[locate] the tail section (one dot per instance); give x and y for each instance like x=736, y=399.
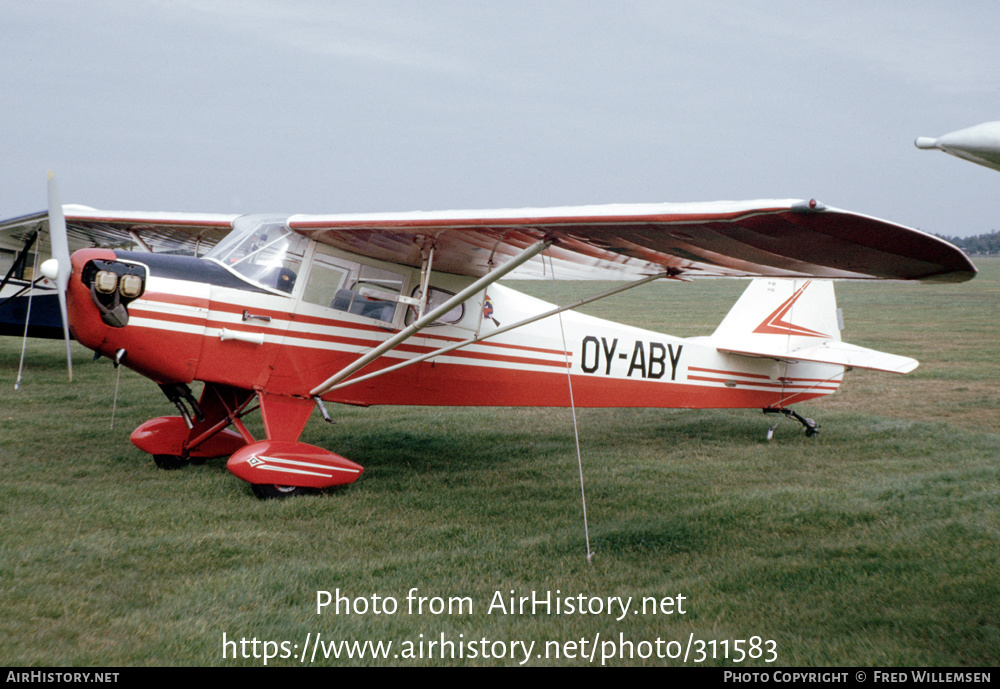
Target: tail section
x=796, y=320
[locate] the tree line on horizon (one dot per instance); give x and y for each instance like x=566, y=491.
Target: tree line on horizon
x=978, y=245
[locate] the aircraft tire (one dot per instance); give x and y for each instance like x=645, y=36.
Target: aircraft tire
x=269, y=491
x=170, y=462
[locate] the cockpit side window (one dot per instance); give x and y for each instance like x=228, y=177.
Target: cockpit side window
x=345, y=285
x=435, y=298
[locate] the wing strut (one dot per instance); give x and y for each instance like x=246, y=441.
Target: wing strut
x=425, y=280
x=572, y=406
x=504, y=329
x=403, y=335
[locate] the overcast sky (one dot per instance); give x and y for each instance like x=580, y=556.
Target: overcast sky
x=325, y=107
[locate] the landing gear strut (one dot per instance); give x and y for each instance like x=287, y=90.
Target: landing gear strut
x=178, y=393
x=812, y=428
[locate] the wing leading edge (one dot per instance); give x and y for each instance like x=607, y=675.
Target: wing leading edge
x=784, y=238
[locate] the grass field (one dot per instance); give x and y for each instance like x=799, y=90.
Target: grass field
x=876, y=543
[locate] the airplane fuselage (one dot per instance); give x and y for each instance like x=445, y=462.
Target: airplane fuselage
x=198, y=321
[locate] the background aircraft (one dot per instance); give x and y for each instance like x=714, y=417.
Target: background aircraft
x=979, y=144
x=24, y=238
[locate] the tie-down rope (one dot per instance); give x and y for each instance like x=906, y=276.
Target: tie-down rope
x=572, y=405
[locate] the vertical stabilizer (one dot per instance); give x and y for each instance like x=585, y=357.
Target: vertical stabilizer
x=781, y=316
x=796, y=320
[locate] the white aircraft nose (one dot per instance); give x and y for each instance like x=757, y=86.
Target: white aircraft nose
x=979, y=144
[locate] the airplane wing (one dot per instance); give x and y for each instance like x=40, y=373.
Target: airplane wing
x=780, y=238
x=177, y=232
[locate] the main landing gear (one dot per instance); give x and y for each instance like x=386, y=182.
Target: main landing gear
x=277, y=467
x=812, y=428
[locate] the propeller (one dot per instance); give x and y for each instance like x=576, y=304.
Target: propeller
x=58, y=268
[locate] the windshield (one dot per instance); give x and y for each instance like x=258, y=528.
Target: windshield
x=264, y=250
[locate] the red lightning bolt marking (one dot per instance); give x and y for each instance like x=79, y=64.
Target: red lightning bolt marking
x=775, y=324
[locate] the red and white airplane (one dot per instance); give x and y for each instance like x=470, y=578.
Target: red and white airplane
x=287, y=313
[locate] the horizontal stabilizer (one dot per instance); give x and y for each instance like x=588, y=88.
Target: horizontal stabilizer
x=839, y=353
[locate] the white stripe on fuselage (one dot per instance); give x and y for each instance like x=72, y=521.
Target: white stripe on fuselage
x=544, y=355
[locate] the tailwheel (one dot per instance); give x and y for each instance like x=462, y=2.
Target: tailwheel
x=812, y=428
x=270, y=491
